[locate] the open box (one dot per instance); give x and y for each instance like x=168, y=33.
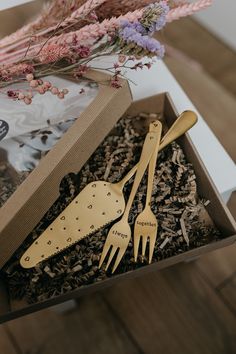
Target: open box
x=163, y=105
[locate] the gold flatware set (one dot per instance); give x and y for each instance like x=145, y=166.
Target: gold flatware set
x=101, y=203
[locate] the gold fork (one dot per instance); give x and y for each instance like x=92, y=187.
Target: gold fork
x=120, y=234
x=146, y=224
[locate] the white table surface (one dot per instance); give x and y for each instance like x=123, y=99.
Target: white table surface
x=220, y=166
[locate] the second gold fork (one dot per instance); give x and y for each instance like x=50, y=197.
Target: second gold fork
x=146, y=224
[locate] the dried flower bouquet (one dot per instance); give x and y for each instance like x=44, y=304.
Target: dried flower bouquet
x=68, y=36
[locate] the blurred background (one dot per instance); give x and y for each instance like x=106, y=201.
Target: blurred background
x=189, y=308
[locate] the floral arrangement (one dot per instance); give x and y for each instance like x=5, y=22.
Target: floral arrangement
x=68, y=36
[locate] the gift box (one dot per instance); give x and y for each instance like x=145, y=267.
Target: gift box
x=218, y=212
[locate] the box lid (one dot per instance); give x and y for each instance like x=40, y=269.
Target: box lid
x=27, y=205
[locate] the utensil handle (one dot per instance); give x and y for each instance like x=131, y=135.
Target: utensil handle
x=183, y=123
x=147, y=151
x=127, y=177
x=130, y=174
x=152, y=166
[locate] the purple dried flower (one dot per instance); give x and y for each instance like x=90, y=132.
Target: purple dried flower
x=127, y=33
x=137, y=35
x=136, y=26
x=147, y=43
x=154, y=18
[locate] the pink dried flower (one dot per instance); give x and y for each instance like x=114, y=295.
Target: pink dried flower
x=12, y=94
x=27, y=100
x=50, y=20
x=82, y=12
x=41, y=90
x=39, y=23
x=187, y=9
x=21, y=69
x=93, y=16
x=17, y=70
x=83, y=51
x=61, y=95
x=54, y=90
x=91, y=33
x=27, y=69
x=34, y=83
x=115, y=82
x=116, y=66
x=85, y=36
x=81, y=70
x=137, y=66
x=51, y=13
x=4, y=77
x=30, y=95
x=52, y=53
x=47, y=85
x=117, y=8
x=21, y=96
x=29, y=77
x=148, y=65
x=122, y=58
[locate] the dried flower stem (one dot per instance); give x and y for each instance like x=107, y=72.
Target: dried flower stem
x=89, y=33
x=51, y=13
x=97, y=30
x=56, y=49
x=83, y=11
x=187, y=9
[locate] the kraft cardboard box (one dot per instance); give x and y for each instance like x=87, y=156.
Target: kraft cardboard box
x=24, y=209
x=160, y=104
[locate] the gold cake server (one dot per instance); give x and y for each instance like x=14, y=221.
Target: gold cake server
x=98, y=204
